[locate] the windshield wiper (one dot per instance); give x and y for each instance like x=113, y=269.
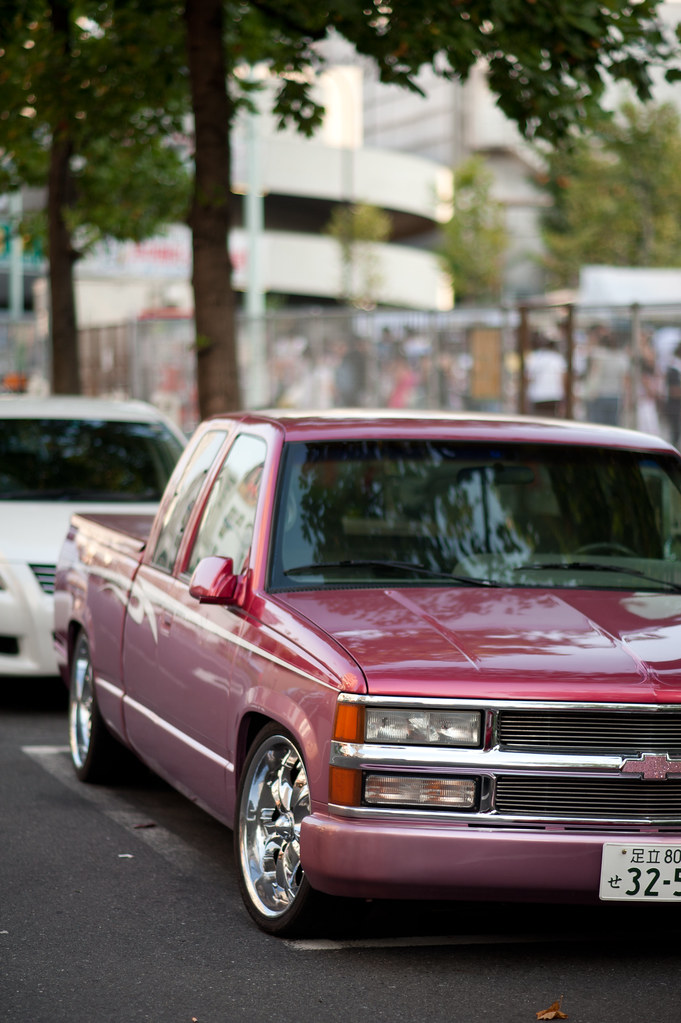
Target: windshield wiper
x=400, y=566
x=595, y=566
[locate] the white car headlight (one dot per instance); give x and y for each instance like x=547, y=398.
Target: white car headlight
x=422, y=727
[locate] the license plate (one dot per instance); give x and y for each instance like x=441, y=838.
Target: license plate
x=643, y=872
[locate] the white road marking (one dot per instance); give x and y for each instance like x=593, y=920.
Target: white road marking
x=186, y=859
x=183, y=856
x=418, y=941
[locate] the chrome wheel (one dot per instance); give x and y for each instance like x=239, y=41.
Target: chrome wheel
x=275, y=798
x=97, y=756
x=81, y=703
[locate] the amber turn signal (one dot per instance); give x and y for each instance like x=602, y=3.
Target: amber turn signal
x=345, y=786
x=349, y=726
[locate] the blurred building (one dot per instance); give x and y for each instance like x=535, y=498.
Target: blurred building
x=454, y=120
x=287, y=188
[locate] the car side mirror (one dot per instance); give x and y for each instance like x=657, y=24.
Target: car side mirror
x=214, y=581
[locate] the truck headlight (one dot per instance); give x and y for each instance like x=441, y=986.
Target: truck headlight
x=358, y=723
x=410, y=726
x=420, y=790
x=422, y=727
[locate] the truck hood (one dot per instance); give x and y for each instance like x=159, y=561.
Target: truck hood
x=32, y=532
x=506, y=643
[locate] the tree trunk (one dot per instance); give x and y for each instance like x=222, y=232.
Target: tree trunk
x=65, y=374
x=214, y=305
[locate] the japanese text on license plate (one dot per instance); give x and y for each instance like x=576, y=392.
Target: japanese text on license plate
x=642, y=872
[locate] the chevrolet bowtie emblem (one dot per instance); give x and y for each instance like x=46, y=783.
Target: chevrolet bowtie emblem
x=652, y=767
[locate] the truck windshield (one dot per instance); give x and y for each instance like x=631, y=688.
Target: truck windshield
x=85, y=460
x=434, y=513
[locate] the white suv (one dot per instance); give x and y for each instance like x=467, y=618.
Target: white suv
x=59, y=455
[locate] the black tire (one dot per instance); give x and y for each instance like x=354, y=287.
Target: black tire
x=97, y=757
x=272, y=801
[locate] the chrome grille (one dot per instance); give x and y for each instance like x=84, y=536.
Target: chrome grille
x=545, y=764
x=628, y=733
x=607, y=798
x=45, y=575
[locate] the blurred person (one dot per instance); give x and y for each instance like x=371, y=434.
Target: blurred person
x=313, y=386
x=649, y=387
x=607, y=379
x=416, y=345
x=386, y=346
x=673, y=395
x=546, y=372
x=405, y=382
x=665, y=341
x=351, y=374
x=285, y=364
x=444, y=382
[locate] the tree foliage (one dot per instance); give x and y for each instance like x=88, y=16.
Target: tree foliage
x=548, y=61
x=100, y=85
x=615, y=198
x=91, y=96
x=109, y=76
x=475, y=240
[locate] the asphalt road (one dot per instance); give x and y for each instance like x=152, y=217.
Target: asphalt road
x=120, y=905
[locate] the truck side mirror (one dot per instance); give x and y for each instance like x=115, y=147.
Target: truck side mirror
x=214, y=581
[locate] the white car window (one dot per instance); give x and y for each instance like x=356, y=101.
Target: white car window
x=85, y=460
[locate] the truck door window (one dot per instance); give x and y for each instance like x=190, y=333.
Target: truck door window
x=226, y=527
x=183, y=500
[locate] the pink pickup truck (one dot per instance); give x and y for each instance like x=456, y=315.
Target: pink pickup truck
x=401, y=656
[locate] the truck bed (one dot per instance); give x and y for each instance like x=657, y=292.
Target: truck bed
x=97, y=564
x=125, y=532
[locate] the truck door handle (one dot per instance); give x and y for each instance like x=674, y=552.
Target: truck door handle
x=165, y=620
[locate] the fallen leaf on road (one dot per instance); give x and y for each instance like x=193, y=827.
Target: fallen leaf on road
x=553, y=1012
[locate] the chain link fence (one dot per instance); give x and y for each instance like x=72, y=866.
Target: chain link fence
x=22, y=355
x=619, y=365
x=313, y=359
